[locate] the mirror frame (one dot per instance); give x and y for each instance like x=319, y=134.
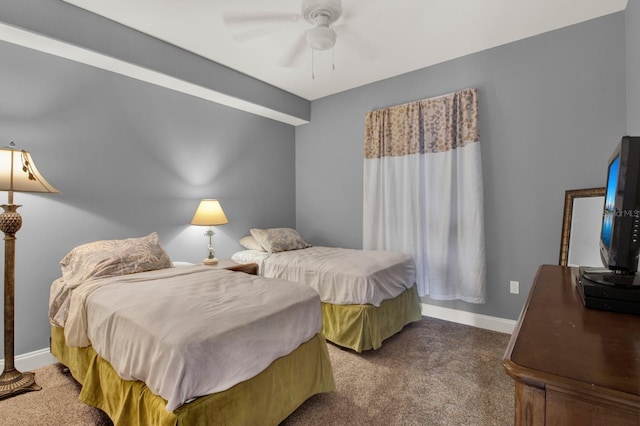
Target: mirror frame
x=569, y=196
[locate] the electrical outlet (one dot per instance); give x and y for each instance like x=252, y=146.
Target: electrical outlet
x=514, y=287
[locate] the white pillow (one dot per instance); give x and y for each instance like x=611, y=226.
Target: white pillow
x=250, y=243
x=177, y=264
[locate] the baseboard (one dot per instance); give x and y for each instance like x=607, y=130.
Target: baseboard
x=501, y=325
x=32, y=360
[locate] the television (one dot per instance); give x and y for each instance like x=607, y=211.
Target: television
x=620, y=229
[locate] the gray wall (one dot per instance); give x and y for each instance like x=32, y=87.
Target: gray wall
x=552, y=108
x=130, y=158
x=632, y=28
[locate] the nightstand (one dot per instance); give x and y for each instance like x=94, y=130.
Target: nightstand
x=249, y=268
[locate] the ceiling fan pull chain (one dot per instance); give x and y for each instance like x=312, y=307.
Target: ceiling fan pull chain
x=313, y=77
x=333, y=58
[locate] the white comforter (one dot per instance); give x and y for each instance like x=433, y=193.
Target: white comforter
x=341, y=276
x=191, y=331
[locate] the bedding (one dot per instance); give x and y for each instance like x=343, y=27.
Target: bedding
x=340, y=276
x=224, y=327
x=367, y=295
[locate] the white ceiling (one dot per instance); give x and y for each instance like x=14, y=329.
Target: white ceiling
x=377, y=39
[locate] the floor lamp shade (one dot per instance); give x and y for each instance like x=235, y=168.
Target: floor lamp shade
x=18, y=173
x=209, y=213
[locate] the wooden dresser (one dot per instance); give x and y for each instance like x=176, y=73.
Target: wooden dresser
x=573, y=365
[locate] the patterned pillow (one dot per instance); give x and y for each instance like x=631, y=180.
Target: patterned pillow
x=250, y=243
x=275, y=240
x=108, y=258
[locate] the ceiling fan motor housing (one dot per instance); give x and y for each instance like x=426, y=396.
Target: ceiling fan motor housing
x=331, y=9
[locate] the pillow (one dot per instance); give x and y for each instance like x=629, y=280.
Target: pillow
x=275, y=240
x=177, y=264
x=108, y=258
x=250, y=243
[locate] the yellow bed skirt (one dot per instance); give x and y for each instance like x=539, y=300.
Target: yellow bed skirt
x=364, y=327
x=266, y=399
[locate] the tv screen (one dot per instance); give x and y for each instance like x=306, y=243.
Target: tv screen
x=619, y=238
x=609, y=201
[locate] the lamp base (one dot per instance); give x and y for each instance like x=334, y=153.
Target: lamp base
x=13, y=382
x=208, y=261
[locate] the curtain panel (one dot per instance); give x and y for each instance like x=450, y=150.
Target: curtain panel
x=423, y=192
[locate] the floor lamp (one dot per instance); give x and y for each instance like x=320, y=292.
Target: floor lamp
x=17, y=174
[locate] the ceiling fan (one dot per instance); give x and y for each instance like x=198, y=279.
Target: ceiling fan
x=321, y=14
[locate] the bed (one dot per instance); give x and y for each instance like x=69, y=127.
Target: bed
x=184, y=345
x=367, y=295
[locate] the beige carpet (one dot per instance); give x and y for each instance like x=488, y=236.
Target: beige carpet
x=433, y=373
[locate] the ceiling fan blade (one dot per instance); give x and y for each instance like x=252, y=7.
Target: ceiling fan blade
x=255, y=33
x=294, y=52
x=245, y=17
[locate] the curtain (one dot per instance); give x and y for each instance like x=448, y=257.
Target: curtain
x=423, y=192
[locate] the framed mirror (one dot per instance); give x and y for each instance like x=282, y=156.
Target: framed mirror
x=581, y=222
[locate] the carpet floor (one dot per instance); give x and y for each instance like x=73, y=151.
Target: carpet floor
x=432, y=373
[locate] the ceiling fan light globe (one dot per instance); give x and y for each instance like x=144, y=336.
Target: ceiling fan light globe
x=321, y=38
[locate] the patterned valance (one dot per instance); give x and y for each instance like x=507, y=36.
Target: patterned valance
x=431, y=125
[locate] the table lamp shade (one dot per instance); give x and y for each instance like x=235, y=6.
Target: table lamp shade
x=18, y=173
x=209, y=213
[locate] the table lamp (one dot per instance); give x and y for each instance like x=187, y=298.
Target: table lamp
x=209, y=213
x=17, y=174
